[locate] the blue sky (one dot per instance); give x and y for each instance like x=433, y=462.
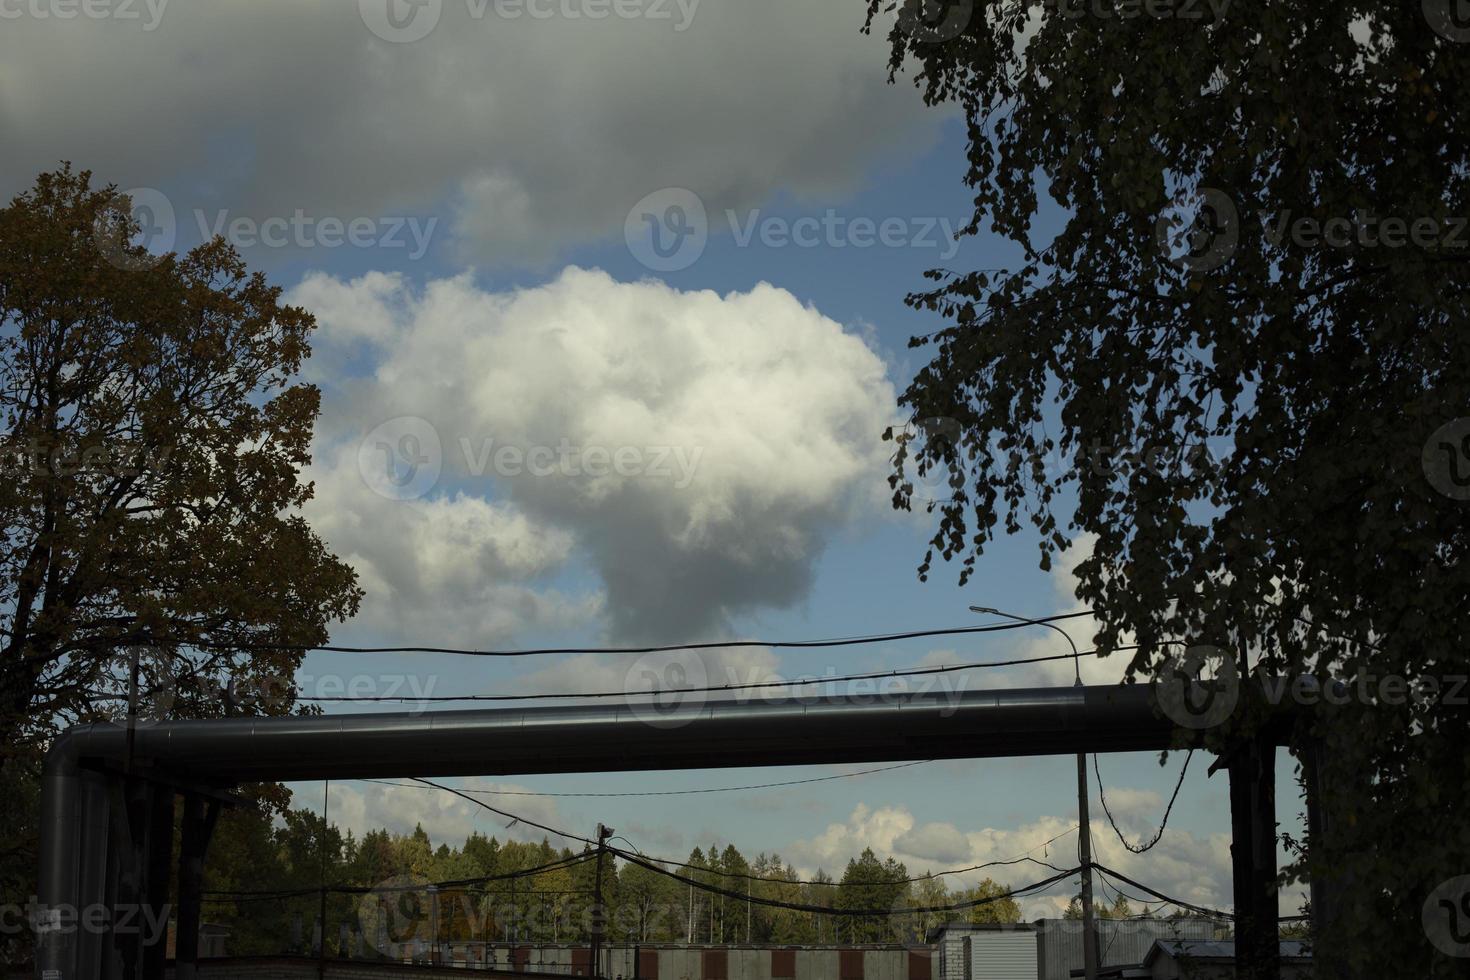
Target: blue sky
x=522, y=150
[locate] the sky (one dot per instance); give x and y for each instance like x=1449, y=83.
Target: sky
x=610, y=303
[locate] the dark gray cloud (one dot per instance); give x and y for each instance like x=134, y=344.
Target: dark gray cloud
x=537, y=131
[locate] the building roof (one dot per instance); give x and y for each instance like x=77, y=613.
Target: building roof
x=1216, y=949
x=1116, y=973
x=937, y=931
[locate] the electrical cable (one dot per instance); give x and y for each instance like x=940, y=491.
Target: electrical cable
x=1207, y=912
x=841, y=641
x=792, y=906
x=719, y=688
x=246, y=899
x=1023, y=859
x=557, y=865
x=510, y=816
x=724, y=874
x=1164, y=822
x=827, y=910
x=670, y=792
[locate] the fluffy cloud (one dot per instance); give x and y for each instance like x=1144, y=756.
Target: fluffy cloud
x=537, y=131
x=447, y=819
x=458, y=569
x=1195, y=868
x=698, y=449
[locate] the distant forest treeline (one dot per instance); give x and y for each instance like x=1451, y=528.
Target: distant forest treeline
x=263, y=876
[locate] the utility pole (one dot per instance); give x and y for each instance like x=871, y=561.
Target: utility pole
x=1084, y=857
x=321, y=951
x=1084, y=841
x=598, y=912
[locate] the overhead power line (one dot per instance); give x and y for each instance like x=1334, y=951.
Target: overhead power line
x=666, y=863
x=720, y=688
x=828, y=910
x=669, y=792
x=513, y=818
x=246, y=898
x=557, y=865
x=1023, y=859
x=841, y=641
x=1208, y=912
x=1163, y=822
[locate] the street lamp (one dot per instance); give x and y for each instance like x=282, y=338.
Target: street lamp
x=1084, y=840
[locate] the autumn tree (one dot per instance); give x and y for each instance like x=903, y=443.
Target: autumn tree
x=153, y=441
x=1234, y=353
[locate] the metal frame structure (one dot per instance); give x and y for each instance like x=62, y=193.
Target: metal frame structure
x=109, y=791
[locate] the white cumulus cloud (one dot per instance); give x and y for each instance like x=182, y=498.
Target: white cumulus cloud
x=697, y=450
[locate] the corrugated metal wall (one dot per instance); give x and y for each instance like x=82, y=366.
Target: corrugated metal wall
x=1121, y=942
x=1003, y=955
x=695, y=963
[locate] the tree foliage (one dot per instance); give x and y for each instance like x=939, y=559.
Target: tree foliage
x=153, y=440
x=155, y=436
x=254, y=853
x=1233, y=353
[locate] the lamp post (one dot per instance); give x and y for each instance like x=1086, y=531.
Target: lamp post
x=1084, y=838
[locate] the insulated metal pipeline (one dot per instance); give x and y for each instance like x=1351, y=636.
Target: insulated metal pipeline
x=621, y=736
